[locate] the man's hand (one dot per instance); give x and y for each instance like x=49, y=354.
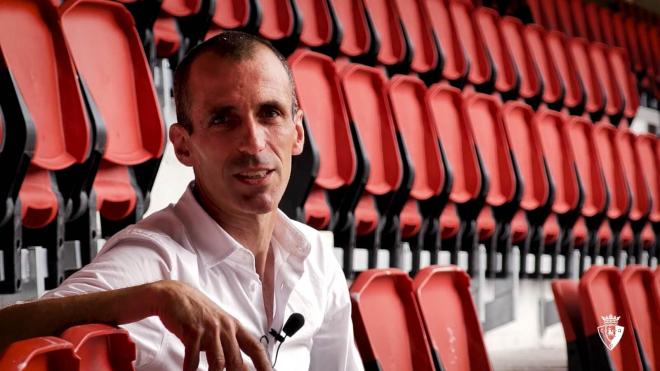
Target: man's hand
x=203, y=326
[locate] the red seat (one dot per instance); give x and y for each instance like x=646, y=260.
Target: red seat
x=643, y=31
x=450, y=318
x=108, y=54
x=383, y=305
x=357, y=40
x=567, y=300
x=481, y=74
x=632, y=43
x=102, y=347
x=485, y=224
x=456, y=65
x=178, y=8
x=318, y=89
x=581, y=28
x=553, y=91
x=592, y=16
x=519, y=230
x=167, y=37
x=507, y=80
x=625, y=80
x=317, y=28
x=531, y=86
x=614, y=97
x=647, y=152
x=386, y=22
x=234, y=14
x=425, y=54
x=565, y=17
x=369, y=110
x=280, y=24
x=574, y=94
x=579, y=51
x=644, y=308
x=46, y=353
x=449, y=222
x=602, y=295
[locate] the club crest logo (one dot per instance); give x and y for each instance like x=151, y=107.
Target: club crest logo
x=610, y=332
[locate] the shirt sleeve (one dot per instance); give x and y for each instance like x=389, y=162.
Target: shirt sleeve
x=334, y=345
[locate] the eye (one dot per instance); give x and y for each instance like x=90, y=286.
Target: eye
x=220, y=119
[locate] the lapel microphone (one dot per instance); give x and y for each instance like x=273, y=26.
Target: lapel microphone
x=291, y=326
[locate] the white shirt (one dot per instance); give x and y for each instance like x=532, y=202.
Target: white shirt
x=182, y=242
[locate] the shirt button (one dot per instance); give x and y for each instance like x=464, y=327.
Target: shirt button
x=282, y=286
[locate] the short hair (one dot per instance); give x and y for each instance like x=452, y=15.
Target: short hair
x=234, y=45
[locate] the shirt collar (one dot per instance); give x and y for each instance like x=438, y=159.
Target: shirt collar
x=214, y=244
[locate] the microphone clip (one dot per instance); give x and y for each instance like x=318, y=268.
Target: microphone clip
x=276, y=335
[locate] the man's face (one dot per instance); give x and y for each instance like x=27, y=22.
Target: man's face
x=244, y=132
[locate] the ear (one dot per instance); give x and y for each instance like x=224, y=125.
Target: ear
x=300, y=133
x=180, y=139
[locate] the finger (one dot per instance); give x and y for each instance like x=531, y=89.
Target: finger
x=252, y=347
x=214, y=352
x=191, y=358
x=233, y=356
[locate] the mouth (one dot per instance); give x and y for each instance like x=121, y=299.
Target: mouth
x=253, y=177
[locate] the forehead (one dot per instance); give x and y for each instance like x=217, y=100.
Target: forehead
x=217, y=80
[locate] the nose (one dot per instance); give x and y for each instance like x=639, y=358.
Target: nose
x=253, y=137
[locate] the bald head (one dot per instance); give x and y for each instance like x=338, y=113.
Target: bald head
x=231, y=45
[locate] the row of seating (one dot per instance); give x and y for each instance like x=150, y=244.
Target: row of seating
x=83, y=130
x=92, y=347
x=610, y=318
x=426, y=323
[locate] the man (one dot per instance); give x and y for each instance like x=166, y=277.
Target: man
x=223, y=266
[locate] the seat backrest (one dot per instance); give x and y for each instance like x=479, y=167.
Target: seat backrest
x=102, y=347
x=456, y=65
x=639, y=190
x=389, y=332
x=579, y=51
x=625, y=79
x=481, y=73
x=426, y=55
x=492, y=139
x=614, y=103
x=592, y=17
x=232, y=14
x=632, y=43
x=455, y=132
x=574, y=95
x=450, y=318
x=279, y=20
x=615, y=177
x=317, y=29
x=567, y=300
x=580, y=133
x=647, y=152
x=413, y=120
x=601, y=298
x=579, y=19
x=525, y=141
x=531, y=87
x=565, y=17
x=46, y=353
x=387, y=25
x=356, y=40
x=507, y=80
x=643, y=31
x=607, y=25
x=561, y=160
x=639, y=298
x=553, y=91
x=368, y=107
x=180, y=8
x=319, y=93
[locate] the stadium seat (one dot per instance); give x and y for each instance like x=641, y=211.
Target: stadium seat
x=357, y=41
x=531, y=86
x=181, y=24
x=574, y=93
x=369, y=111
x=617, y=187
x=592, y=180
x=101, y=347
x=281, y=24
x=46, y=353
x=581, y=27
x=639, y=191
x=319, y=27
x=389, y=332
x=504, y=193
x=644, y=308
x=537, y=188
x=481, y=74
x=237, y=15
x=632, y=43
x=394, y=51
x=450, y=319
x=507, y=80
x=625, y=80
x=107, y=52
x=595, y=102
x=566, y=206
x=52, y=191
x=427, y=58
x=467, y=195
x=456, y=65
x=431, y=184
x=647, y=151
x=565, y=17
x=601, y=295
x=594, y=25
x=553, y=89
x=567, y=301
x=613, y=95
